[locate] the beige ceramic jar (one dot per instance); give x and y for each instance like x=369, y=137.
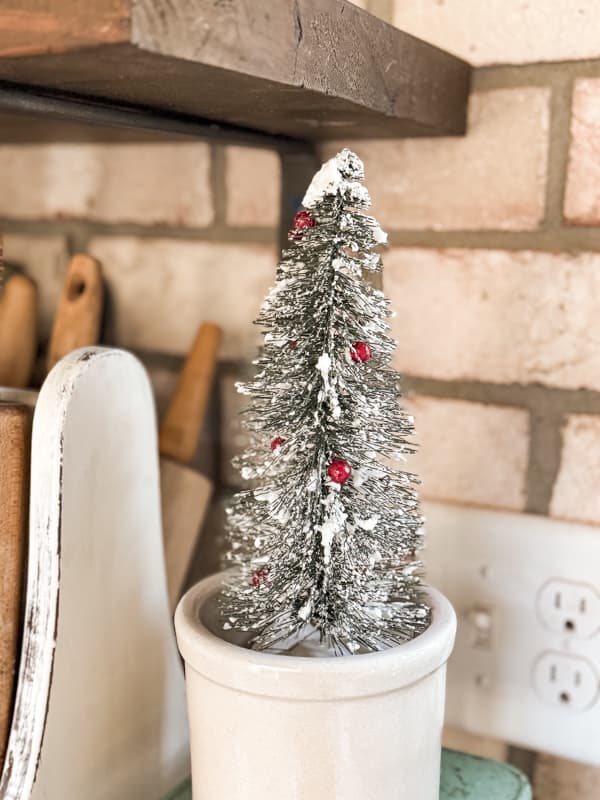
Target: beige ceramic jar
x=277, y=727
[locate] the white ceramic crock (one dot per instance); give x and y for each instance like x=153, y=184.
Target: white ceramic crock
x=276, y=727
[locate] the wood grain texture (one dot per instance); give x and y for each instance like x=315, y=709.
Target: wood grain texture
x=183, y=420
x=15, y=440
x=100, y=705
x=562, y=779
x=315, y=69
x=41, y=26
x=18, y=331
x=79, y=311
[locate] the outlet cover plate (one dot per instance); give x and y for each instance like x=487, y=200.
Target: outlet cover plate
x=493, y=567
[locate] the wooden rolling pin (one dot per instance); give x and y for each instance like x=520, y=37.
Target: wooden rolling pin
x=15, y=439
x=79, y=312
x=18, y=331
x=185, y=493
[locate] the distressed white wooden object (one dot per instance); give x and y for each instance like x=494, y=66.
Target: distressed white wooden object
x=100, y=706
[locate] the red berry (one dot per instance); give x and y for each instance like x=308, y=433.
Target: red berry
x=339, y=470
x=277, y=442
x=293, y=344
x=360, y=351
x=259, y=576
x=302, y=220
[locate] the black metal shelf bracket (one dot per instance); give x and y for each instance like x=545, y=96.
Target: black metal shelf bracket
x=93, y=111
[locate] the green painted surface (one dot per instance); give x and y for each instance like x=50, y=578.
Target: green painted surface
x=468, y=778
x=463, y=778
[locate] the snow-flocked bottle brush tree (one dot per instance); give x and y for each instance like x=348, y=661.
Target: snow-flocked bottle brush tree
x=325, y=537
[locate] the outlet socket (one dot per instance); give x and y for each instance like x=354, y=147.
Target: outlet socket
x=564, y=680
x=526, y=664
x=569, y=607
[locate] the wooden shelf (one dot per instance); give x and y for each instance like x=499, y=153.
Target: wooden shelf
x=307, y=69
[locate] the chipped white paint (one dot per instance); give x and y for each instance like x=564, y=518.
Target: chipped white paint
x=100, y=706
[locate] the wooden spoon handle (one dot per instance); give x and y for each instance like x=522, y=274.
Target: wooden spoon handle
x=15, y=439
x=18, y=331
x=182, y=423
x=79, y=312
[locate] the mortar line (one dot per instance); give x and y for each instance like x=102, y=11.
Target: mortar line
x=534, y=397
x=218, y=184
x=544, y=457
x=565, y=239
x=508, y=76
x=84, y=230
x=529, y=396
x=559, y=137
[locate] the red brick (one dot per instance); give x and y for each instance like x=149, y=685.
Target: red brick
x=141, y=183
x=575, y=493
x=582, y=196
x=496, y=316
x=493, y=178
x=253, y=182
x=505, y=31
x=469, y=452
x=162, y=289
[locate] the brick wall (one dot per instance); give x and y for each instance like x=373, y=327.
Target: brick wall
x=494, y=271
x=183, y=235
x=494, y=268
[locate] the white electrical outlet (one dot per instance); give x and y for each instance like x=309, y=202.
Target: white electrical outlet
x=567, y=681
x=570, y=607
x=526, y=590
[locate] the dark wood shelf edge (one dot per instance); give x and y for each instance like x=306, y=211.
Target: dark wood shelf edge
x=305, y=70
